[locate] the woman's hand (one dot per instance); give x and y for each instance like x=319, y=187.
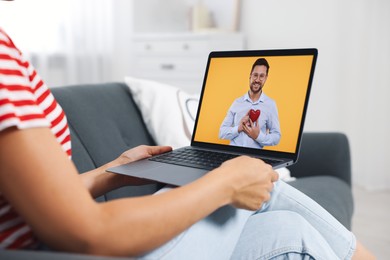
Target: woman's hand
x=251, y=181
x=138, y=153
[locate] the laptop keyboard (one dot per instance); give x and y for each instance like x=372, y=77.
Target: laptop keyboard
x=196, y=158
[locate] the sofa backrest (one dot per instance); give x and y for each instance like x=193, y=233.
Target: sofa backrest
x=324, y=154
x=104, y=122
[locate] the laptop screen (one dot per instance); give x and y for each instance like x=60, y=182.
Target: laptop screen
x=255, y=99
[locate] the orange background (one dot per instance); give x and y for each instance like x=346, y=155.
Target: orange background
x=228, y=79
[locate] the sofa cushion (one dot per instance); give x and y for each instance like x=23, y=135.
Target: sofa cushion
x=104, y=123
x=331, y=193
x=110, y=111
x=168, y=112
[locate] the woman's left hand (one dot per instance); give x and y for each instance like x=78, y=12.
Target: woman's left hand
x=132, y=155
x=138, y=153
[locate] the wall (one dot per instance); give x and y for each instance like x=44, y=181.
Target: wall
x=351, y=86
x=122, y=39
x=161, y=16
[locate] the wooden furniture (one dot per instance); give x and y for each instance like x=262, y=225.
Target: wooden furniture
x=179, y=59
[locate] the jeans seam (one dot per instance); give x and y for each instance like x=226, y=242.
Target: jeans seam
x=352, y=247
x=288, y=249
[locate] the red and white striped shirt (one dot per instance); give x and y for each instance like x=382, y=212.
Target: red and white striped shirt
x=25, y=102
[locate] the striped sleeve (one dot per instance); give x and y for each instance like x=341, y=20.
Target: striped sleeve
x=25, y=100
x=14, y=233
x=18, y=103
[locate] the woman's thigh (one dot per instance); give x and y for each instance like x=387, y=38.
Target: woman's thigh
x=281, y=235
x=287, y=198
x=214, y=237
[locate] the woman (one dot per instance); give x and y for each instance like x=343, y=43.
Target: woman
x=239, y=210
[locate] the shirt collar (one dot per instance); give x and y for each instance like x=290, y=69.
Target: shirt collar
x=261, y=99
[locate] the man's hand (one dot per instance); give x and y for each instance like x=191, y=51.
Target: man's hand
x=252, y=130
x=244, y=121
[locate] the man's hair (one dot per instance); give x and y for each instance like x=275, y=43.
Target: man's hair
x=260, y=62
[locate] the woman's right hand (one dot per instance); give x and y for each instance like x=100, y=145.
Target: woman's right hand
x=251, y=181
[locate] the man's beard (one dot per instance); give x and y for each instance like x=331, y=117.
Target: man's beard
x=256, y=91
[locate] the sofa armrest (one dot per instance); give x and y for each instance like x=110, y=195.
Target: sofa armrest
x=324, y=154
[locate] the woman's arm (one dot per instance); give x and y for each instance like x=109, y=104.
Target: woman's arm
x=42, y=184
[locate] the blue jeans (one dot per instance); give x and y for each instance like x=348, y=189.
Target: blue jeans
x=289, y=226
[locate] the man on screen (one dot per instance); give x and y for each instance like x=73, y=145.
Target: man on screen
x=252, y=119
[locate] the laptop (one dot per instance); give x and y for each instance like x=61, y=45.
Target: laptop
x=234, y=118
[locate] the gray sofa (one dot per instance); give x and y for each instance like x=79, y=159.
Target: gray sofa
x=104, y=121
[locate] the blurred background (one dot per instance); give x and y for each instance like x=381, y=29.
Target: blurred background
x=88, y=41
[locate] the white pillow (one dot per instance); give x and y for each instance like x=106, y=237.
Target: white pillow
x=169, y=113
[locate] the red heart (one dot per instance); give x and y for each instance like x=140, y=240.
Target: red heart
x=254, y=114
